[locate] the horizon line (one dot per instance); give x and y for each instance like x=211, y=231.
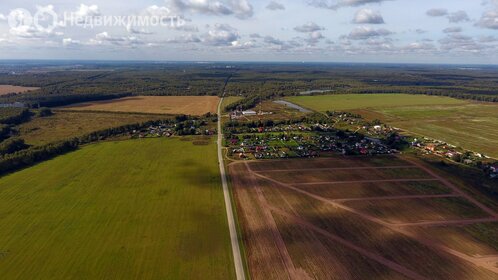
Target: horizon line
x=242, y=61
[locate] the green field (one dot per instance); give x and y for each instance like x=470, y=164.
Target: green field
x=137, y=209
x=339, y=102
x=230, y=100
x=63, y=125
x=470, y=125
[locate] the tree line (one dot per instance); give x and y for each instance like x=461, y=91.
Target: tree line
x=20, y=157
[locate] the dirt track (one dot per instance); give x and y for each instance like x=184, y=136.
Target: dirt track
x=234, y=238
x=401, y=228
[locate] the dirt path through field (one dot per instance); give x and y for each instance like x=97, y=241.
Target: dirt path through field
x=448, y=223
x=395, y=197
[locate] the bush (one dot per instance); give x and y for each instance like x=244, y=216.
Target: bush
x=45, y=112
x=12, y=146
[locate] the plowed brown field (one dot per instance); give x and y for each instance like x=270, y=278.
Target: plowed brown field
x=355, y=218
x=188, y=105
x=6, y=89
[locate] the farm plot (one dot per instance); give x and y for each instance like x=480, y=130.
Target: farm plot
x=479, y=240
x=187, y=105
x=136, y=209
x=7, y=89
x=348, y=174
x=304, y=227
x=400, y=211
x=377, y=189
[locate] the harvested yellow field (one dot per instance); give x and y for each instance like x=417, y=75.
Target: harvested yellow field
x=6, y=89
x=188, y=105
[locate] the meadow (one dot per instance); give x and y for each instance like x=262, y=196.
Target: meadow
x=467, y=124
x=63, y=125
x=136, y=209
x=188, y=105
x=340, y=102
x=229, y=100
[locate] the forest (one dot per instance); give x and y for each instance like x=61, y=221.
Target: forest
x=66, y=83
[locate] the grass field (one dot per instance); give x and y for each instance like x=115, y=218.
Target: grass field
x=230, y=100
x=137, y=209
x=339, y=102
x=320, y=228
x=470, y=125
x=188, y=105
x=63, y=125
x=6, y=89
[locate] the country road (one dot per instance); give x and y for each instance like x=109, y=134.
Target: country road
x=239, y=265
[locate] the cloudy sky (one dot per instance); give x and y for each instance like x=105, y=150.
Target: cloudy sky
x=421, y=31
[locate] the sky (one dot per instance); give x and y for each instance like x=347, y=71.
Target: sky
x=385, y=31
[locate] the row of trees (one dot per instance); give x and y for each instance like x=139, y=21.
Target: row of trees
x=14, y=115
x=4, y=131
x=54, y=100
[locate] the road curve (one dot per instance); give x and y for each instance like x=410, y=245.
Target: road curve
x=237, y=258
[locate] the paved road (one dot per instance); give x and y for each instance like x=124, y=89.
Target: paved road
x=239, y=265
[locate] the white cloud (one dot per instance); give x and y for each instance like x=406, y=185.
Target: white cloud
x=69, y=42
x=460, y=43
x=184, y=39
x=367, y=16
x=2, y=17
x=104, y=38
x=437, y=12
x=158, y=11
x=336, y=4
x=237, y=45
x=279, y=45
x=419, y=47
x=274, y=6
x=454, y=17
x=458, y=16
x=365, y=32
x=308, y=27
x=221, y=35
x=489, y=20
x=134, y=30
x=314, y=37
x=452, y=30
x=87, y=11
x=239, y=8
x=488, y=39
